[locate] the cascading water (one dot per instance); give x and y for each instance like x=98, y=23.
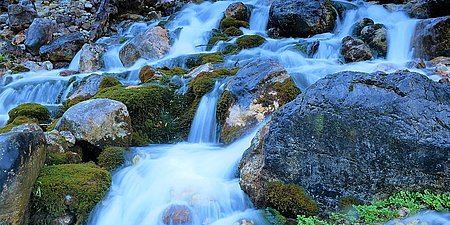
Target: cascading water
x=204, y=126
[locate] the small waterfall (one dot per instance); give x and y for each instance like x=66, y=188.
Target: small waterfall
x=111, y=58
x=260, y=16
x=204, y=126
x=75, y=63
x=400, y=38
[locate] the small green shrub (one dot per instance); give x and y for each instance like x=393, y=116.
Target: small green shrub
x=231, y=22
x=109, y=81
x=290, y=200
x=112, y=158
x=312, y=220
x=250, y=41
x=30, y=110
x=68, y=188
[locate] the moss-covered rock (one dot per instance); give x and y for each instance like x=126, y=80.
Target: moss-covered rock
x=231, y=22
x=72, y=189
x=250, y=41
x=148, y=74
x=71, y=102
x=155, y=112
x=233, y=31
x=223, y=106
x=231, y=49
x=212, y=58
x=177, y=71
x=58, y=158
x=290, y=200
x=112, y=158
x=216, y=36
x=109, y=81
x=30, y=110
x=18, y=121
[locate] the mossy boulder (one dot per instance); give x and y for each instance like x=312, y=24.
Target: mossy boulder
x=216, y=36
x=155, y=112
x=18, y=121
x=250, y=41
x=112, y=158
x=177, y=71
x=290, y=200
x=233, y=31
x=148, y=73
x=30, y=110
x=68, y=189
x=109, y=81
x=232, y=22
x=212, y=58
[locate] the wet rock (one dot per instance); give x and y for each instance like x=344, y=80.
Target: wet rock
x=301, y=18
x=423, y=9
x=342, y=7
x=177, y=214
x=22, y=156
x=88, y=87
x=63, y=48
x=359, y=26
x=256, y=91
x=100, y=122
x=148, y=73
x=91, y=57
x=432, y=38
x=355, y=134
x=152, y=44
x=21, y=16
x=376, y=37
x=355, y=50
x=239, y=11
x=40, y=33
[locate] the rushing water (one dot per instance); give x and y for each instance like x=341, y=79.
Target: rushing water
x=200, y=176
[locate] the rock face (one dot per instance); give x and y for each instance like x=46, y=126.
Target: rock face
x=91, y=58
x=423, y=9
x=39, y=33
x=257, y=90
x=432, y=38
x=100, y=122
x=22, y=156
x=355, y=50
x=152, y=44
x=63, y=48
x=356, y=134
x=88, y=87
x=21, y=16
x=301, y=18
x=239, y=11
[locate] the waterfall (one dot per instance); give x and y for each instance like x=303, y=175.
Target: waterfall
x=204, y=126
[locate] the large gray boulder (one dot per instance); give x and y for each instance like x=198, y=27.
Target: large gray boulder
x=301, y=18
x=99, y=122
x=21, y=16
x=432, y=38
x=39, y=33
x=91, y=57
x=22, y=155
x=152, y=44
x=64, y=48
x=355, y=134
x=258, y=89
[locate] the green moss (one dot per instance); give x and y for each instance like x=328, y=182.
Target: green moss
x=71, y=102
x=56, y=158
x=231, y=49
x=250, y=41
x=310, y=220
x=4, y=58
x=177, y=71
x=346, y=202
x=231, y=22
x=123, y=40
x=112, y=158
x=155, y=112
x=290, y=200
x=273, y=217
x=17, y=121
x=53, y=124
x=86, y=184
x=109, y=81
x=201, y=85
x=216, y=36
x=30, y=110
x=212, y=58
x=225, y=102
x=227, y=72
x=233, y=31
x=163, y=23
x=286, y=91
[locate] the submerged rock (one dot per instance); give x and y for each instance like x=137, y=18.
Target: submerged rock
x=355, y=134
x=301, y=18
x=177, y=214
x=23, y=152
x=355, y=50
x=257, y=90
x=432, y=38
x=63, y=48
x=152, y=44
x=99, y=122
